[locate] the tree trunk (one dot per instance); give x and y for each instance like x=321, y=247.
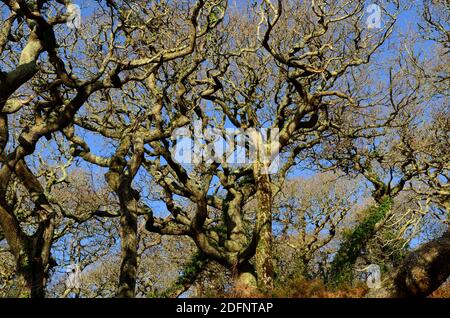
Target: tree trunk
x=119, y=178
x=129, y=245
x=31, y=273
x=263, y=256
x=32, y=253
x=421, y=273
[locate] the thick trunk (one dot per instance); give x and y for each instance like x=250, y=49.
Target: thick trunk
x=120, y=178
x=4, y=134
x=32, y=254
x=263, y=256
x=232, y=209
x=129, y=245
x=421, y=273
x=31, y=272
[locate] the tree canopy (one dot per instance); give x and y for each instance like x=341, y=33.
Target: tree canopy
x=214, y=148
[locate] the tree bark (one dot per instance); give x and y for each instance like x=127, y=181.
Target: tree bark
x=264, y=246
x=421, y=273
x=129, y=245
x=31, y=252
x=31, y=273
x=119, y=178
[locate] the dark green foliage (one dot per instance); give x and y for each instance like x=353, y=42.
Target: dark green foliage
x=192, y=269
x=188, y=275
x=355, y=242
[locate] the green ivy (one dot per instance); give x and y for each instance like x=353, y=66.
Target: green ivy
x=355, y=241
x=188, y=275
x=192, y=269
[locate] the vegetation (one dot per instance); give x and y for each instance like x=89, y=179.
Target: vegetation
x=270, y=148
x=354, y=242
